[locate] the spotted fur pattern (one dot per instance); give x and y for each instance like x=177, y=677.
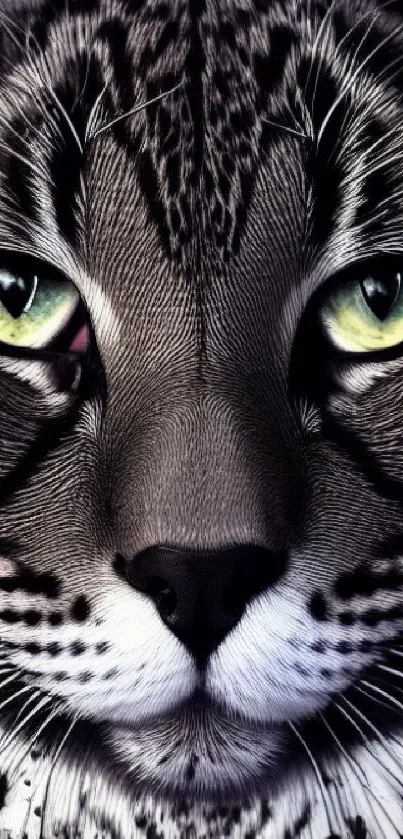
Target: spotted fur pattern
x=199, y=170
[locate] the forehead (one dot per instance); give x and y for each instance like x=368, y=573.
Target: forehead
x=268, y=127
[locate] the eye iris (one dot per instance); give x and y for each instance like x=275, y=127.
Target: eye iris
x=17, y=293
x=381, y=295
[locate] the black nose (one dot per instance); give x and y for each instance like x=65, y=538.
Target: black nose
x=201, y=596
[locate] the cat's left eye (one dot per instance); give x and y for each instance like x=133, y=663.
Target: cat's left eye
x=38, y=306
x=364, y=313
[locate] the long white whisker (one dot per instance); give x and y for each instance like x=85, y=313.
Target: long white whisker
x=94, y=114
x=390, y=670
x=391, y=701
x=318, y=774
x=55, y=711
x=42, y=703
x=52, y=766
x=352, y=79
x=285, y=128
x=381, y=739
x=134, y=110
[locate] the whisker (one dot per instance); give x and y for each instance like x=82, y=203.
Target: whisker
x=134, y=110
x=379, y=737
x=391, y=701
x=94, y=114
x=390, y=670
x=318, y=774
x=288, y=130
x=366, y=742
x=353, y=78
x=41, y=704
x=51, y=769
x=51, y=716
x=354, y=765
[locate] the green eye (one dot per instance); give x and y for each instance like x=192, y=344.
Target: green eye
x=34, y=307
x=365, y=313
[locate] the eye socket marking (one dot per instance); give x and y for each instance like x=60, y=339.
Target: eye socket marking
x=363, y=311
x=40, y=309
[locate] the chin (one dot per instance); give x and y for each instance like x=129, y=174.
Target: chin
x=198, y=754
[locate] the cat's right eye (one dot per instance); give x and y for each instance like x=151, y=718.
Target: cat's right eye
x=37, y=306
x=363, y=312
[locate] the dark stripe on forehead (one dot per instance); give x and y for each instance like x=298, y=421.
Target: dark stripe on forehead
x=66, y=160
x=18, y=175
x=51, y=13
x=324, y=170
x=114, y=34
x=269, y=67
x=195, y=65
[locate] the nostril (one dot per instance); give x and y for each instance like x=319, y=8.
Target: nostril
x=152, y=585
x=163, y=595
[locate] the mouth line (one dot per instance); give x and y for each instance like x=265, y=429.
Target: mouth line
x=194, y=710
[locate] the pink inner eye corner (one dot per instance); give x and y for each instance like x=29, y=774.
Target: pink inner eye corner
x=80, y=342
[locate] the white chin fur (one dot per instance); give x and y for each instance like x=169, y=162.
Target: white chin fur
x=198, y=756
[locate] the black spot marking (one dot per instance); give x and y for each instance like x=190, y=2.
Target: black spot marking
x=299, y=824
x=347, y=618
x=77, y=648
x=317, y=606
x=32, y=583
x=319, y=647
x=111, y=674
x=363, y=581
x=54, y=649
x=326, y=673
x=358, y=828
x=32, y=617
x=374, y=616
x=84, y=677
x=33, y=648
x=80, y=609
x=38, y=811
x=102, y=647
x=10, y=616
x=140, y=821
x=55, y=618
x=344, y=647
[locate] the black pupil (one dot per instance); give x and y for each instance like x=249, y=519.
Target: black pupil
x=381, y=294
x=16, y=292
